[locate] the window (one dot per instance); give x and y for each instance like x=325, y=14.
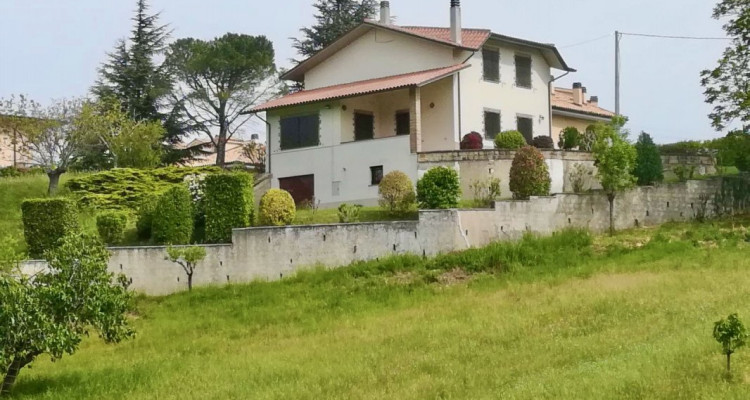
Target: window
x=376, y=175
x=491, y=124
x=491, y=62
x=298, y=132
x=403, y=123
x=526, y=127
x=523, y=71
x=364, y=125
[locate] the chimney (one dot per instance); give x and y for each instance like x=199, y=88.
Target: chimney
x=385, y=12
x=254, y=136
x=578, y=93
x=456, y=21
x=583, y=98
x=594, y=100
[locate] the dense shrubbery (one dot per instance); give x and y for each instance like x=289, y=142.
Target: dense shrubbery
x=228, y=203
x=172, y=220
x=111, y=226
x=648, y=168
x=46, y=221
x=569, y=138
x=509, y=140
x=529, y=175
x=349, y=213
x=146, y=216
x=12, y=172
x=439, y=188
x=472, y=141
x=587, y=140
x=543, y=142
x=277, y=208
x=125, y=188
x=396, y=193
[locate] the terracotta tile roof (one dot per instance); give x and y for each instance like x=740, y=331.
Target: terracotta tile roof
x=419, y=78
x=470, y=38
x=562, y=99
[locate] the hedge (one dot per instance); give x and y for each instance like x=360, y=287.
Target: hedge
x=509, y=140
x=146, y=216
x=228, y=201
x=439, y=188
x=111, y=226
x=172, y=221
x=46, y=221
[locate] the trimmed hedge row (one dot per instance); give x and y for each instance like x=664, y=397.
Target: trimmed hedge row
x=46, y=221
x=228, y=201
x=172, y=220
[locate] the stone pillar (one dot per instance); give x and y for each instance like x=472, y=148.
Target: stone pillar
x=415, y=119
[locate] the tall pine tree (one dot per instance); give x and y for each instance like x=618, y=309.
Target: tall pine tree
x=333, y=19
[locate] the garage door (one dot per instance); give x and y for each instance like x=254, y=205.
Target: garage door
x=302, y=188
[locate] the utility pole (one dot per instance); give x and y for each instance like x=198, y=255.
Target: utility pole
x=617, y=73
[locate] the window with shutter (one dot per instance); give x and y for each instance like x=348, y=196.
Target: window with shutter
x=364, y=126
x=523, y=71
x=526, y=127
x=491, y=62
x=403, y=123
x=491, y=124
x=300, y=131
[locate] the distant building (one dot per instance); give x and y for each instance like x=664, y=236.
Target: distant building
x=571, y=108
x=234, y=153
x=12, y=152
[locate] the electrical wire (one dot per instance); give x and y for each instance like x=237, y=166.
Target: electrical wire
x=674, y=37
x=587, y=41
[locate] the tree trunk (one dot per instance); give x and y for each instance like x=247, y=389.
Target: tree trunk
x=54, y=180
x=190, y=282
x=221, y=147
x=611, y=198
x=10, y=377
x=728, y=363
x=15, y=148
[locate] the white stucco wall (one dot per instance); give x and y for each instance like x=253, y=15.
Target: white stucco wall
x=438, y=131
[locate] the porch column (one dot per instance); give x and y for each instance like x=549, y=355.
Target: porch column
x=415, y=119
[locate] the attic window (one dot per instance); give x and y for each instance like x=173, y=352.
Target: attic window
x=523, y=71
x=491, y=62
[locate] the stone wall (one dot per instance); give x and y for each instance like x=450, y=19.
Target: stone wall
x=272, y=253
x=704, y=165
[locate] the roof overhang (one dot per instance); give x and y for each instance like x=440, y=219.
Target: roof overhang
x=549, y=51
x=564, y=112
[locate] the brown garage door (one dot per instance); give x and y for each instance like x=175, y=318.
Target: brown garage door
x=302, y=188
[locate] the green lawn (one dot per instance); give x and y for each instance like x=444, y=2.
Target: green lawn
x=558, y=318
x=306, y=216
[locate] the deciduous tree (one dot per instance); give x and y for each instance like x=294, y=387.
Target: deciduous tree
x=615, y=161
x=731, y=334
x=187, y=258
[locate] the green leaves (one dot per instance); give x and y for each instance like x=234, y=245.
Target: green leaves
x=439, y=188
x=529, y=175
x=648, y=169
x=616, y=159
x=333, y=19
x=730, y=333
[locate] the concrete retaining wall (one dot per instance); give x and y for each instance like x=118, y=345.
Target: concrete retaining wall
x=272, y=253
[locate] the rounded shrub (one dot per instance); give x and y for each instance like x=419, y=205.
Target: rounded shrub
x=439, y=188
x=228, y=203
x=396, y=193
x=543, y=142
x=509, y=140
x=111, y=226
x=145, y=220
x=349, y=213
x=172, y=221
x=569, y=138
x=529, y=175
x=46, y=221
x=277, y=208
x=472, y=141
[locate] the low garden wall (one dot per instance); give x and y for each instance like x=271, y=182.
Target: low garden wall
x=273, y=253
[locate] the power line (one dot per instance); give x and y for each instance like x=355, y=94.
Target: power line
x=674, y=37
x=587, y=41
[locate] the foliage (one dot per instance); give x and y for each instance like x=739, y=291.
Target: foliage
x=734, y=150
x=686, y=147
x=733, y=196
x=46, y=221
x=15, y=172
x=145, y=222
x=569, y=138
x=472, y=141
x=587, y=139
x=172, y=221
x=349, y=213
x=731, y=334
x=684, y=173
x=218, y=81
x=727, y=84
x=486, y=192
x=615, y=161
x=187, y=258
x=111, y=226
x=228, y=202
x=648, y=168
x=51, y=312
x=333, y=19
x=256, y=153
x=277, y=208
x=396, y=193
x=580, y=176
x=439, y=188
x=543, y=142
x=16, y=114
x=529, y=174
x=10, y=256
x=509, y=140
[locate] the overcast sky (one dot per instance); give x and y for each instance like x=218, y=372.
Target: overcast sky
x=52, y=48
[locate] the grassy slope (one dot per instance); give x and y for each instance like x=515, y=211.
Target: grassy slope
x=610, y=322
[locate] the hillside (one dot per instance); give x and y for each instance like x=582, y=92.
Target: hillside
x=563, y=317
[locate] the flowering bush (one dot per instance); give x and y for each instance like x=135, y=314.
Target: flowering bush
x=472, y=141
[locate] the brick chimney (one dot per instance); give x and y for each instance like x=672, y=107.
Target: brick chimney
x=578, y=93
x=385, y=12
x=456, y=21
x=594, y=100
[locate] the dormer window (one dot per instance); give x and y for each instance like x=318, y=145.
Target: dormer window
x=523, y=71
x=491, y=62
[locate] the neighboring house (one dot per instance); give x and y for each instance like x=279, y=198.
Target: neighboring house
x=12, y=152
x=572, y=108
x=382, y=94
x=234, y=153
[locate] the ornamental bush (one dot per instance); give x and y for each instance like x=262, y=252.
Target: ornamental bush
x=46, y=221
x=543, y=142
x=529, y=175
x=648, y=168
x=439, y=188
x=146, y=216
x=277, y=208
x=472, y=141
x=172, y=221
x=349, y=213
x=228, y=203
x=111, y=226
x=509, y=140
x=396, y=193
x=570, y=138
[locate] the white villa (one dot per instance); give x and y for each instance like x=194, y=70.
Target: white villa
x=383, y=95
